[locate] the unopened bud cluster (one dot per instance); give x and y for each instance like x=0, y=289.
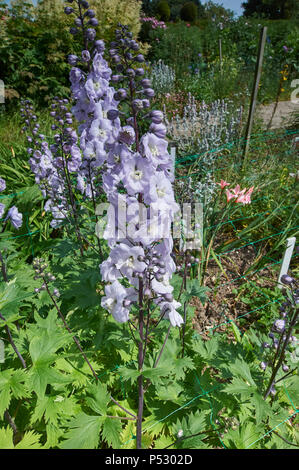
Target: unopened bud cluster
x=280, y=335
x=40, y=267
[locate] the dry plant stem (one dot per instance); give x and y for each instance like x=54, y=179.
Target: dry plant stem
x=79, y=345
x=281, y=356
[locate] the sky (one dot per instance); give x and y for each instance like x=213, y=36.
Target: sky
x=234, y=5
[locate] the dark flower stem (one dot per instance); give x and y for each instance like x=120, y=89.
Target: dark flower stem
x=281, y=356
x=7, y=329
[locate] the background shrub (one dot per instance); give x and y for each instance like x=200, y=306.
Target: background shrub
x=189, y=12
x=163, y=10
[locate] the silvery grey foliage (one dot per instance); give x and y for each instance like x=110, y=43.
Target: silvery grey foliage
x=162, y=77
x=205, y=128
x=193, y=190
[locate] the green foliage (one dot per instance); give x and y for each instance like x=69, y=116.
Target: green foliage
x=163, y=10
x=189, y=12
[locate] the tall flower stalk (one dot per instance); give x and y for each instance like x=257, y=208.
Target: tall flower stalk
x=138, y=179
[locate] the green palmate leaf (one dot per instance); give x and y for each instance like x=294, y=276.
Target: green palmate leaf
x=100, y=398
x=111, y=432
x=10, y=294
x=236, y=331
x=194, y=289
x=260, y=406
x=244, y=437
x=54, y=408
x=12, y=384
x=241, y=368
x=207, y=349
x=156, y=373
x=6, y=436
x=30, y=440
x=83, y=432
x=169, y=391
x=238, y=386
x=163, y=441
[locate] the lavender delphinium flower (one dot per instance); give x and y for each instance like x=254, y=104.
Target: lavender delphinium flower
x=2, y=184
x=15, y=217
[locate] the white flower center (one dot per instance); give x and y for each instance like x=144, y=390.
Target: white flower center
x=161, y=192
x=102, y=133
x=154, y=150
x=137, y=175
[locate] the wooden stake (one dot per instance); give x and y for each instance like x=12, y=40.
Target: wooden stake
x=258, y=71
x=286, y=259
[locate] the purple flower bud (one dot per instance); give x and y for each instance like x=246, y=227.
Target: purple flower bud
x=85, y=56
x=279, y=325
x=112, y=114
x=134, y=45
x=91, y=34
x=263, y=365
x=127, y=303
x=121, y=94
x=78, y=22
x=146, y=103
x=73, y=31
x=84, y=3
x=137, y=104
x=158, y=129
x=2, y=184
x=285, y=368
x=116, y=58
x=116, y=78
x=149, y=92
x=93, y=22
x=266, y=345
x=286, y=279
x=146, y=83
x=139, y=72
x=99, y=45
x=90, y=13
x=68, y=10
x=147, y=293
x=139, y=58
x=131, y=72
x=72, y=59
x=156, y=116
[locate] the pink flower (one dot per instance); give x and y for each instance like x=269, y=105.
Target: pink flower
x=244, y=198
x=187, y=25
x=229, y=195
x=223, y=183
